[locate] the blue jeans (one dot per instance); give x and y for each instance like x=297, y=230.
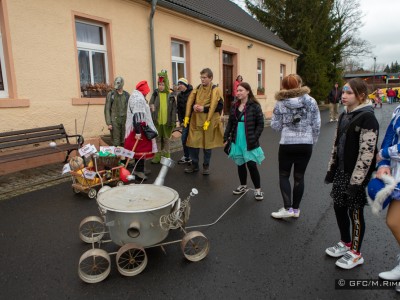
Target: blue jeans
x=185, y=131
x=194, y=155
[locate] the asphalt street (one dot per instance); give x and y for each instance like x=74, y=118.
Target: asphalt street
x=252, y=255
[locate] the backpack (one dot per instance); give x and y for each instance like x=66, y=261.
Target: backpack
x=124, y=93
x=220, y=100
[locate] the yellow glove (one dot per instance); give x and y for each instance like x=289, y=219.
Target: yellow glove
x=185, y=121
x=206, y=124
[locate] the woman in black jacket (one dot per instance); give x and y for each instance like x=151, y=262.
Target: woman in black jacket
x=245, y=125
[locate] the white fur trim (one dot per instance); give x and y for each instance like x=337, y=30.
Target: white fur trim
x=381, y=196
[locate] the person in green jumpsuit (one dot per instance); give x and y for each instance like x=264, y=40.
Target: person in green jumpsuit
x=115, y=111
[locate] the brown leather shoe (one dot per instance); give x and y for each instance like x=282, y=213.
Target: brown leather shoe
x=191, y=169
x=206, y=170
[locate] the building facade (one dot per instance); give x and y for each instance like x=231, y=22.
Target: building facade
x=58, y=56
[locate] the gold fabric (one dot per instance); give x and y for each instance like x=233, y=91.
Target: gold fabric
x=198, y=137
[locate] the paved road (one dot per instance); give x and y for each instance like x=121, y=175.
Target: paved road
x=252, y=256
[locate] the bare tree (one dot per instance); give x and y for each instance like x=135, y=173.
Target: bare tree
x=347, y=18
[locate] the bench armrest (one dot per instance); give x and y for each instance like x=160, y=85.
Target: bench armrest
x=81, y=140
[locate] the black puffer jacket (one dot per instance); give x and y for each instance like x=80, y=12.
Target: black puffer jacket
x=181, y=100
x=254, y=123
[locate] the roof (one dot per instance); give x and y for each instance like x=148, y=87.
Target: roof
x=365, y=74
x=228, y=15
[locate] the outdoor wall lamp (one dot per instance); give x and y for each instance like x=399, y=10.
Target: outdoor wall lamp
x=217, y=41
x=250, y=46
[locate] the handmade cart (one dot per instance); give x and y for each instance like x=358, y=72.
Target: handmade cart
x=107, y=171
x=137, y=217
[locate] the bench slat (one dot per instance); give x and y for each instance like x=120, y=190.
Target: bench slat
x=61, y=126
x=37, y=152
x=27, y=136
x=31, y=141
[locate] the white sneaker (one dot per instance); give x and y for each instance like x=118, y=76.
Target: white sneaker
x=140, y=175
x=331, y=120
x=391, y=275
x=350, y=260
x=283, y=213
x=258, y=195
x=296, y=213
x=339, y=249
x=241, y=189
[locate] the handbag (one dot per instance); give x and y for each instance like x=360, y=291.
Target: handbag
x=228, y=145
x=148, y=132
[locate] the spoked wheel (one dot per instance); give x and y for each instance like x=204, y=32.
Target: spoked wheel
x=119, y=183
x=94, y=266
x=131, y=259
x=195, y=246
x=76, y=191
x=91, y=229
x=92, y=193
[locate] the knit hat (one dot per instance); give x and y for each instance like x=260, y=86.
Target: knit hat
x=380, y=192
x=143, y=87
x=183, y=81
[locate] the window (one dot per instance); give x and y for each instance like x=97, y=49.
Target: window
x=3, y=75
x=178, y=51
x=92, y=53
x=282, y=72
x=260, y=75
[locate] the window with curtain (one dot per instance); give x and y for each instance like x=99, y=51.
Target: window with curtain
x=3, y=75
x=178, y=50
x=260, y=72
x=92, y=53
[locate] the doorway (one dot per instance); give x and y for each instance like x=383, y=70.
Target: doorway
x=227, y=75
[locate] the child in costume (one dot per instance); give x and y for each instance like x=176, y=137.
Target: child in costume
x=388, y=176
x=163, y=109
x=350, y=167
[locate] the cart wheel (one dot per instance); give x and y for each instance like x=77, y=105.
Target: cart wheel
x=76, y=191
x=92, y=193
x=119, y=183
x=131, y=259
x=91, y=229
x=195, y=246
x=94, y=266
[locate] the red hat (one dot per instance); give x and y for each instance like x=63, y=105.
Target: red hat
x=143, y=87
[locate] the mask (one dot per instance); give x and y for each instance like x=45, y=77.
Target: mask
x=118, y=83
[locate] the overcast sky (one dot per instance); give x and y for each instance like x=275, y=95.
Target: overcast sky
x=381, y=29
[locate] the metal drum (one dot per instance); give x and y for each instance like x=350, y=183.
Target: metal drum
x=132, y=213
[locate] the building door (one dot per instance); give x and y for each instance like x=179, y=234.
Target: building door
x=227, y=81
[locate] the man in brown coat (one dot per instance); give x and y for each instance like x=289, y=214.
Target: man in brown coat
x=205, y=128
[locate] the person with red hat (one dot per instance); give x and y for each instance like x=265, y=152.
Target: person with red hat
x=139, y=115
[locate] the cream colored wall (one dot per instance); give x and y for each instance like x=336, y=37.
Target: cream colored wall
x=203, y=53
x=44, y=55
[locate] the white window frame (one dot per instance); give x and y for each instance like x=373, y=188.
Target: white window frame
x=260, y=72
x=282, y=71
x=3, y=94
x=176, y=60
x=94, y=48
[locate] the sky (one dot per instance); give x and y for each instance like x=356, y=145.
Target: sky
x=381, y=29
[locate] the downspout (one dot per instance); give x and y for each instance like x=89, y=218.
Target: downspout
x=152, y=45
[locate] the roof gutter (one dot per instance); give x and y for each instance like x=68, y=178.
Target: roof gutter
x=152, y=44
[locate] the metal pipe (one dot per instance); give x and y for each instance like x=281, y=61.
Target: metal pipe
x=152, y=44
x=166, y=164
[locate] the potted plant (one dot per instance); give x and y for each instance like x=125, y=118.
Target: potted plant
x=96, y=90
x=260, y=91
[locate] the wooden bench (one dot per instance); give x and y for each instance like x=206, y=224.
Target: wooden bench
x=20, y=140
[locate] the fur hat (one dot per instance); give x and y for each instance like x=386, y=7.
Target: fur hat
x=183, y=81
x=379, y=192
